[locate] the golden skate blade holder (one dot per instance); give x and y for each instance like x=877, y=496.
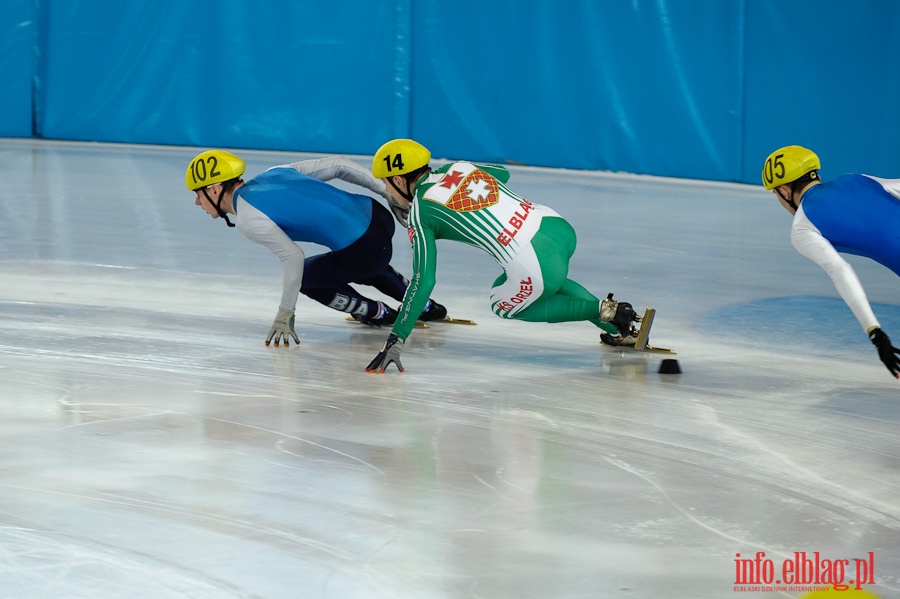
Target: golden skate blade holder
x=644, y=333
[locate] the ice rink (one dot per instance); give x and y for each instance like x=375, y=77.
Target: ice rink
x=153, y=447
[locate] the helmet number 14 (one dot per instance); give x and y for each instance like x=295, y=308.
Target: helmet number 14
x=397, y=162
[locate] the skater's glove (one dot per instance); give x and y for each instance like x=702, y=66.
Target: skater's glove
x=282, y=327
x=886, y=352
x=401, y=213
x=390, y=352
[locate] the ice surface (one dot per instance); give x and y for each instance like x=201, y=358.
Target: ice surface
x=152, y=446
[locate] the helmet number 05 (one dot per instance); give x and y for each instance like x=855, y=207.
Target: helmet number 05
x=201, y=172
x=396, y=162
x=774, y=168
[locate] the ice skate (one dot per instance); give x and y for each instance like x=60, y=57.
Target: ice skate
x=386, y=316
x=632, y=337
x=433, y=311
x=623, y=317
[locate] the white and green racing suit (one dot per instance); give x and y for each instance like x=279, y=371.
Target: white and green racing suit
x=471, y=203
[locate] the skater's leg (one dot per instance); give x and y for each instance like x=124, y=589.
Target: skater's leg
x=318, y=276
x=393, y=284
x=327, y=277
x=343, y=299
x=389, y=282
x=367, y=262
x=548, y=307
x=539, y=270
x=576, y=290
x=562, y=299
x=566, y=305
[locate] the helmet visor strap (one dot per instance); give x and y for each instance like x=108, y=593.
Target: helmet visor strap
x=404, y=194
x=218, y=207
x=790, y=198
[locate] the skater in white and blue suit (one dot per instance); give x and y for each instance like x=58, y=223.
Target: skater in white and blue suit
x=853, y=214
x=293, y=203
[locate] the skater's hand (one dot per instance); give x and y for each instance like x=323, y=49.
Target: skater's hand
x=886, y=352
x=282, y=327
x=401, y=213
x=390, y=352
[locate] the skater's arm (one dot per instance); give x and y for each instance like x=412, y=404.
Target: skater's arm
x=809, y=242
x=258, y=227
x=339, y=167
x=892, y=186
x=417, y=294
x=422, y=282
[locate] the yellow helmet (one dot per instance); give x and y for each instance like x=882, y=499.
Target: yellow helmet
x=398, y=157
x=786, y=165
x=213, y=166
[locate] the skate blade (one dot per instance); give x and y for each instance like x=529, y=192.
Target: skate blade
x=446, y=320
x=419, y=325
x=648, y=349
x=450, y=320
x=643, y=336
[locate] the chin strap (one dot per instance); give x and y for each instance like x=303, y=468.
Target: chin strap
x=813, y=176
x=410, y=178
x=404, y=194
x=218, y=207
x=790, y=198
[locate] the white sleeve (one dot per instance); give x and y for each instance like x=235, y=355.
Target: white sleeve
x=258, y=227
x=892, y=186
x=339, y=167
x=807, y=240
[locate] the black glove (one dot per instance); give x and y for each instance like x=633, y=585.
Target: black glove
x=390, y=352
x=886, y=352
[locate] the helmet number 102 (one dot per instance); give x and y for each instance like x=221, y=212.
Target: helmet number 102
x=201, y=172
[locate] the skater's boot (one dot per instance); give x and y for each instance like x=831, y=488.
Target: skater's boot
x=433, y=311
x=384, y=316
x=622, y=316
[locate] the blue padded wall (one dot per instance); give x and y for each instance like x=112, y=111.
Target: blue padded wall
x=275, y=75
x=685, y=88
x=18, y=62
x=645, y=87
x=825, y=76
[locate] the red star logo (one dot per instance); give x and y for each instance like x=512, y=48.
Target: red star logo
x=451, y=179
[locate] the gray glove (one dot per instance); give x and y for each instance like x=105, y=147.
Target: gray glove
x=390, y=352
x=401, y=213
x=282, y=327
